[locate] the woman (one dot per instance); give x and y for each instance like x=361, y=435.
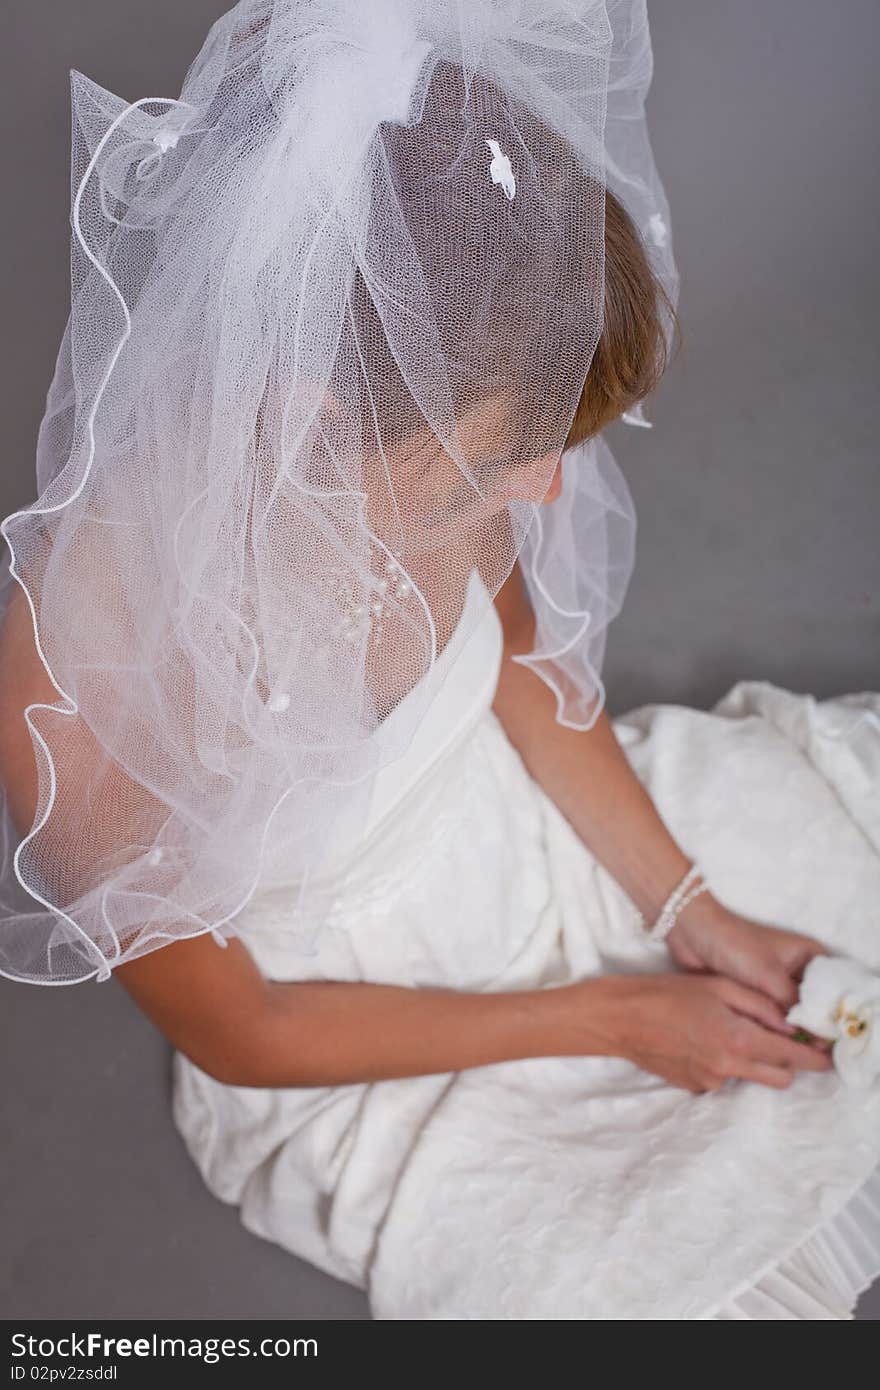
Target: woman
x=366, y=304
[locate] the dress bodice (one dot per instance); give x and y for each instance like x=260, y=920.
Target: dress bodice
x=463, y=681
x=444, y=707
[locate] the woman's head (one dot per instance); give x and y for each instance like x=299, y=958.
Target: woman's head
x=463, y=386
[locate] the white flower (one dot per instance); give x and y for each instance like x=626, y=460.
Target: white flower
x=636, y=416
x=840, y=1000
x=166, y=140
x=500, y=169
x=658, y=229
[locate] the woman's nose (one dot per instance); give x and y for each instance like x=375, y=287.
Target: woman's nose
x=555, y=487
x=526, y=484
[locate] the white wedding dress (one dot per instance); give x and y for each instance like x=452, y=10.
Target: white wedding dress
x=573, y=1187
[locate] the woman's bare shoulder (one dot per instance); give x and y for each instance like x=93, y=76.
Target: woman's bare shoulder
x=23, y=681
x=23, y=676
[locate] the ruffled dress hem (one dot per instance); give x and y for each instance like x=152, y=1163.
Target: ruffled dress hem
x=824, y=1275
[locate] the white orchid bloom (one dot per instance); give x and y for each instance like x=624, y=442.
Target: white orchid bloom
x=840, y=1000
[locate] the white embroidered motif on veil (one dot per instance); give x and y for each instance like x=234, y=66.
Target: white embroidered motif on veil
x=500, y=169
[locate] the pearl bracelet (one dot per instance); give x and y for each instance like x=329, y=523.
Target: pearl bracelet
x=678, y=899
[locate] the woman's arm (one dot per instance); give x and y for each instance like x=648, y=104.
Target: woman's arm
x=245, y=1030
x=588, y=776
x=586, y=773
x=214, y=1004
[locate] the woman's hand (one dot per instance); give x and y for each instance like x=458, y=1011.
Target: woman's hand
x=699, y=1031
x=710, y=937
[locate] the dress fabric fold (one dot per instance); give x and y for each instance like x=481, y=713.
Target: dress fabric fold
x=572, y=1187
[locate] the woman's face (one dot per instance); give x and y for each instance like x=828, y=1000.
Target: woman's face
x=555, y=487
x=428, y=481
x=537, y=480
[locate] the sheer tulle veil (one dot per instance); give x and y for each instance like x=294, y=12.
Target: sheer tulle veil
x=332, y=310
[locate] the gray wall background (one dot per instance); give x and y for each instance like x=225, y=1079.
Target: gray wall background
x=759, y=510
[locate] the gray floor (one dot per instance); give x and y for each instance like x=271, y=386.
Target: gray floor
x=758, y=499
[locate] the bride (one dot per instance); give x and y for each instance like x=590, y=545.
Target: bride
x=478, y=998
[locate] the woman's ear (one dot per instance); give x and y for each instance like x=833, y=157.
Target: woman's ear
x=331, y=407
x=312, y=399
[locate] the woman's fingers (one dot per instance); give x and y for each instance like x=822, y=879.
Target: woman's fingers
x=783, y=989
x=753, y=1004
x=766, y=1075
x=773, y=1049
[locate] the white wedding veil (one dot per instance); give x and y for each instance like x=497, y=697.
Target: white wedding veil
x=333, y=309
